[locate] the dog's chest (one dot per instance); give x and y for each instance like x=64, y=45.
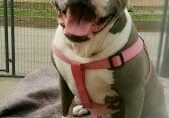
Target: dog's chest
x=98, y=82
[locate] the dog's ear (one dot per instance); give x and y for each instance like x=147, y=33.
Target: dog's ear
x=123, y=3
x=54, y=4
x=118, y=6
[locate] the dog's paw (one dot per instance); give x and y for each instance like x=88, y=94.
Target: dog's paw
x=79, y=110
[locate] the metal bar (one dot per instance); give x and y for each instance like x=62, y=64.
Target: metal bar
x=167, y=37
x=12, y=38
x=6, y=35
x=16, y=76
x=163, y=24
x=3, y=70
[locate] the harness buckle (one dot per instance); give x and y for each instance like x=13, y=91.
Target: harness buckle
x=122, y=59
x=112, y=65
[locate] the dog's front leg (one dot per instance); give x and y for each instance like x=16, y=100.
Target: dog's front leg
x=66, y=98
x=134, y=100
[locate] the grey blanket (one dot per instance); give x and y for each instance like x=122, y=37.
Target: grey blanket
x=38, y=96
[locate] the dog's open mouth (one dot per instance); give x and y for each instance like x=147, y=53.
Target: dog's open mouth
x=80, y=21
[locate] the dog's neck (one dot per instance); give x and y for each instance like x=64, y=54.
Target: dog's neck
x=104, y=44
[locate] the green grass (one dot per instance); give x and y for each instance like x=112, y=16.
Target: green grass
x=46, y=13
x=31, y=13
x=35, y=13
x=146, y=17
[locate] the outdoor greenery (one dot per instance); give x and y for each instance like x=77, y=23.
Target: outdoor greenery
x=52, y=14
x=31, y=10
x=145, y=17
x=44, y=15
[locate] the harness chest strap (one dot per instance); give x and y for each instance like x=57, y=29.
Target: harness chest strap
x=78, y=69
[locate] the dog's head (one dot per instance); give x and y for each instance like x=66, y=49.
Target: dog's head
x=82, y=18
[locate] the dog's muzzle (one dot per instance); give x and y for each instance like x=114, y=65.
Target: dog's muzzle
x=80, y=21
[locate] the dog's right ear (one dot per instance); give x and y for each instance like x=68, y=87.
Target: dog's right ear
x=55, y=4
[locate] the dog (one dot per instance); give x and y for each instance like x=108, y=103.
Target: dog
x=104, y=62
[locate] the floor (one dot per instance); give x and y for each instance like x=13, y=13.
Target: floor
x=6, y=87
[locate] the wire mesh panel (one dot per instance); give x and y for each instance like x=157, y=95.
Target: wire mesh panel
x=4, y=64
x=35, y=24
x=2, y=38
x=147, y=15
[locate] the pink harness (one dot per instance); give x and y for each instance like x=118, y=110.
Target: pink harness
x=78, y=69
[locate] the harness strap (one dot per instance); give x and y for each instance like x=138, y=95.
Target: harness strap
x=150, y=62
x=78, y=72
x=119, y=59
x=79, y=76
x=78, y=69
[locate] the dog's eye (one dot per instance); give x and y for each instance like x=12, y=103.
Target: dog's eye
x=103, y=20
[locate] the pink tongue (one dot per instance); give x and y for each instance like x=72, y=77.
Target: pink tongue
x=81, y=28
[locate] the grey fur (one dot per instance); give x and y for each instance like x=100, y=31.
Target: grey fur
x=138, y=98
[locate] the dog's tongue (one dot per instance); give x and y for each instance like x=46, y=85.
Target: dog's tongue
x=77, y=26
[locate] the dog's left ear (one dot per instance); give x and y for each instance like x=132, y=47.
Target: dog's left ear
x=124, y=3
x=121, y=5
x=116, y=7
x=54, y=4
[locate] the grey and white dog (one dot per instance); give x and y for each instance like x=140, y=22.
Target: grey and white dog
x=91, y=30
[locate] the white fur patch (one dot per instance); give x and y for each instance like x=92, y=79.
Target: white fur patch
x=101, y=6
x=98, y=84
